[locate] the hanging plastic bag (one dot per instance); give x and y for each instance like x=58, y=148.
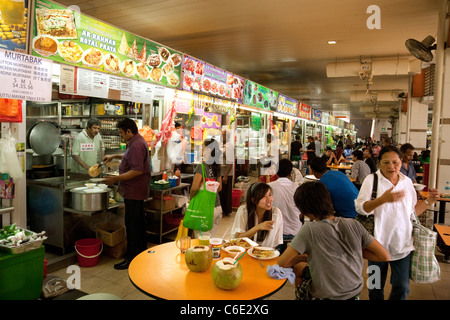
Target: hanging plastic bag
x=10, y=110
x=9, y=163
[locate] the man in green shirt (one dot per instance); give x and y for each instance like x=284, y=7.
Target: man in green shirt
x=87, y=148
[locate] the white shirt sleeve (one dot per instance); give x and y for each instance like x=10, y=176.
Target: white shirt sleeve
x=365, y=194
x=240, y=221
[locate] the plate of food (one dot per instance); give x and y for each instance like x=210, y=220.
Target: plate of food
x=176, y=59
x=112, y=63
x=164, y=53
x=142, y=71
x=168, y=68
x=172, y=79
x=263, y=253
x=129, y=68
x=245, y=242
x=70, y=51
x=154, y=60
x=45, y=45
x=156, y=74
x=92, y=57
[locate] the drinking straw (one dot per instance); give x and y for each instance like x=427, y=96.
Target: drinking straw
x=225, y=233
x=200, y=228
x=240, y=257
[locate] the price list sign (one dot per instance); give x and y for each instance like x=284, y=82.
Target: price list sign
x=25, y=77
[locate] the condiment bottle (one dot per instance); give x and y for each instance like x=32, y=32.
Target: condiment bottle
x=164, y=176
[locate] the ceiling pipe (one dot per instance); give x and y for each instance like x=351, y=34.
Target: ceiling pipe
x=380, y=67
x=408, y=110
x=438, y=105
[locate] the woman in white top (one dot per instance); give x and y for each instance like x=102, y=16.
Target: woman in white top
x=257, y=219
x=393, y=210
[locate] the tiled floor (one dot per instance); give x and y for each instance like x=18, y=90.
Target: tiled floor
x=103, y=278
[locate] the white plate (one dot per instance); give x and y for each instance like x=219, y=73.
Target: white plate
x=418, y=186
x=276, y=253
x=311, y=177
x=250, y=242
x=96, y=179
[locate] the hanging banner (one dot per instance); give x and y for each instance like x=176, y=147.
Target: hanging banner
x=316, y=115
x=287, y=105
x=325, y=118
x=331, y=120
x=70, y=37
x=304, y=111
x=206, y=78
x=259, y=96
x=25, y=77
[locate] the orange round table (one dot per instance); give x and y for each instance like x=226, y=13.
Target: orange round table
x=161, y=272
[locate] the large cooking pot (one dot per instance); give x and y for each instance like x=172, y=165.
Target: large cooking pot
x=84, y=199
x=44, y=138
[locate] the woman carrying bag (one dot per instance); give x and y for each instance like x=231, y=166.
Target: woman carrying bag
x=393, y=209
x=209, y=170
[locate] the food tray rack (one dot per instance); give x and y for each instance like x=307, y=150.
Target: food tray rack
x=27, y=246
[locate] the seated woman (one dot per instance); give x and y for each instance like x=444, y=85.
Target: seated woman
x=257, y=219
x=334, y=247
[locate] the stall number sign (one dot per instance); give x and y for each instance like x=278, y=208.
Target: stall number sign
x=87, y=147
x=25, y=77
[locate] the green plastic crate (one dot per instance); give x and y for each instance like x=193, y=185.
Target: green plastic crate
x=22, y=275
x=160, y=186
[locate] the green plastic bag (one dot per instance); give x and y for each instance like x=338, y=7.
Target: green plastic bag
x=200, y=212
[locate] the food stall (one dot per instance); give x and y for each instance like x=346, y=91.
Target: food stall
x=99, y=71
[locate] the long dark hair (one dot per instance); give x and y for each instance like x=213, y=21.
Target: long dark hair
x=255, y=193
x=212, y=147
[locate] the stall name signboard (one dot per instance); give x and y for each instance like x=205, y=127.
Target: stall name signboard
x=70, y=37
x=287, y=105
x=259, y=96
x=304, y=111
x=206, y=78
x=25, y=77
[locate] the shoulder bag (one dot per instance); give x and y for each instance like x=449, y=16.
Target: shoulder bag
x=424, y=265
x=368, y=222
x=200, y=212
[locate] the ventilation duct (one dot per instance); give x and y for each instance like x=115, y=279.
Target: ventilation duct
x=382, y=67
x=380, y=109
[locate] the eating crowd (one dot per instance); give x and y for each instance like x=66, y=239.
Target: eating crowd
x=326, y=253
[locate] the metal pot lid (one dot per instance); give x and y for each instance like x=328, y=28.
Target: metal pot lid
x=44, y=138
x=85, y=190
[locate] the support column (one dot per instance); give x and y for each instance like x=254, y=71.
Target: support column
x=418, y=125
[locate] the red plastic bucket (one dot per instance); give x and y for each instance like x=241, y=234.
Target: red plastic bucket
x=236, y=198
x=88, y=251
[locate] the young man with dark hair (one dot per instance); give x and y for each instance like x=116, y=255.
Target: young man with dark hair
x=343, y=192
x=283, y=198
x=134, y=181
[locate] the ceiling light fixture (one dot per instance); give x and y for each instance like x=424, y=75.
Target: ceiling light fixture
x=332, y=42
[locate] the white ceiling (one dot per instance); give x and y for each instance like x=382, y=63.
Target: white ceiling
x=281, y=44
